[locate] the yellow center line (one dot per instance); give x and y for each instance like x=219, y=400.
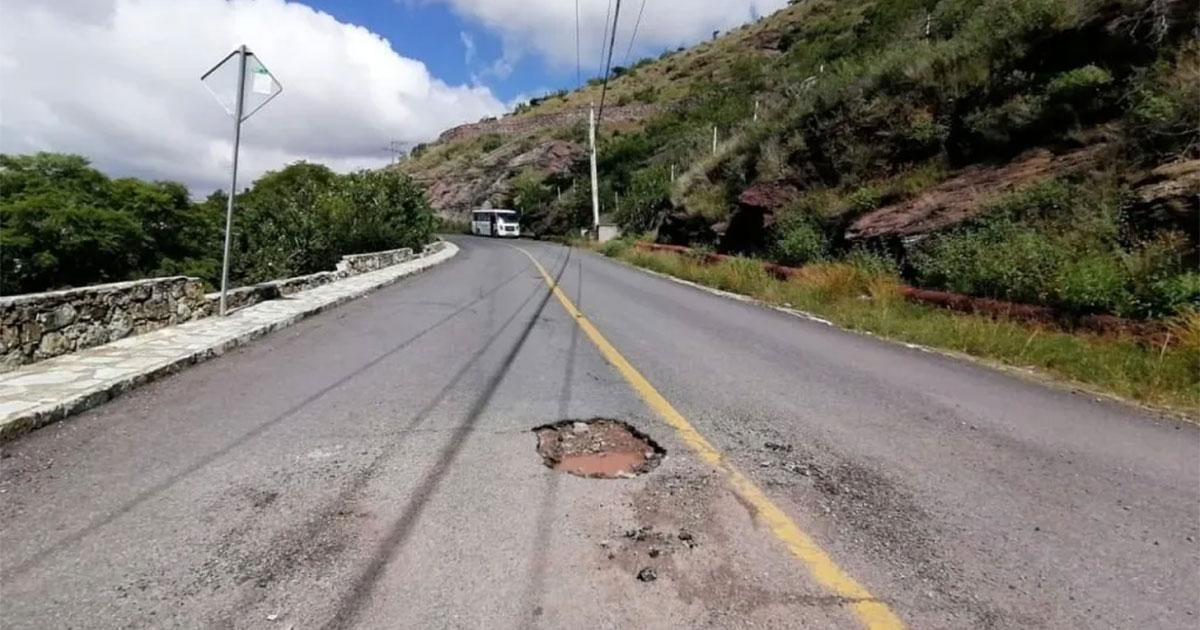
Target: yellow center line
x=874, y=614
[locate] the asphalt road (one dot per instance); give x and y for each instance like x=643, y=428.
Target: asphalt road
x=373, y=467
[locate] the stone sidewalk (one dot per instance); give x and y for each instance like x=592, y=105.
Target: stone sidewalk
x=43, y=392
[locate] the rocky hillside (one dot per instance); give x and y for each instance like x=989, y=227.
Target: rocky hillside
x=474, y=165
x=544, y=141
x=926, y=135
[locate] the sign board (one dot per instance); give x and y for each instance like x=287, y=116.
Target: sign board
x=260, y=85
x=242, y=85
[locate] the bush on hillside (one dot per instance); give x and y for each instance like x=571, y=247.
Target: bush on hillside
x=799, y=240
x=1057, y=244
x=645, y=201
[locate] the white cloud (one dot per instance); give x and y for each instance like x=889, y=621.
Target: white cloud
x=547, y=27
x=469, y=45
x=118, y=81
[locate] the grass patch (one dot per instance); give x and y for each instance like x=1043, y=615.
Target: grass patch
x=863, y=298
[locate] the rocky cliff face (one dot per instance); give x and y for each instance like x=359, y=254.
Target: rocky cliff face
x=456, y=187
x=473, y=165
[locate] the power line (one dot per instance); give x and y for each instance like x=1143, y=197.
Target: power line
x=634, y=36
x=604, y=36
x=608, y=67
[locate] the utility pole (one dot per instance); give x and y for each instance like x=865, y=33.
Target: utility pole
x=755, y=110
x=595, y=186
x=714, y=139
x=672, y=172
x=616, y=201
x=396, y=148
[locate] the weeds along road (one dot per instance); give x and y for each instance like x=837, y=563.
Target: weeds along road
x=374, y=467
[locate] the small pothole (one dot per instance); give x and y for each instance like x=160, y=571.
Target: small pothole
x=600, y=447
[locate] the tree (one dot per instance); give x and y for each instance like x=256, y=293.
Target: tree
x=63, y=223
x=645, y=200
x=281, y=225
x=58, y=227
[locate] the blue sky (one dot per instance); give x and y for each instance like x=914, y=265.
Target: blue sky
x=357, y=74
x=433, y=33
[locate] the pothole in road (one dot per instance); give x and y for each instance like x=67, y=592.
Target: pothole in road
x=602, y=448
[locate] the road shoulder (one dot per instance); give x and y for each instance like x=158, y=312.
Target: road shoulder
x=51, y=390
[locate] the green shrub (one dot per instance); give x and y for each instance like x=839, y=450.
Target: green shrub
x=648, y=94
x=575, y=132
x=1059, y=244
x=1078, y=85
x=1170, y=295
x=1160, y=281
x=491, y=142
x=1094, y=284
x=926, y=134
x=871, y=261
x=865, y=198
x=799, y=242
x=615, y=247
x=997, y=127
x=645, y=200
x=998, y=260
x=1164, y=112
x=1046, y=200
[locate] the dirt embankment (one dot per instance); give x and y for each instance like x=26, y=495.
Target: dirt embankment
x=510, y=125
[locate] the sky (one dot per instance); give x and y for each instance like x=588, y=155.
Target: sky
x=118, y=81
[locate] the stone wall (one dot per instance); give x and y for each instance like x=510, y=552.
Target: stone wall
x=242, y=297
x=38, y=326
x=351, y=265
x=355, y=264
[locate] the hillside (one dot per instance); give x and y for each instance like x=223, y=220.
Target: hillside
x=930, y=135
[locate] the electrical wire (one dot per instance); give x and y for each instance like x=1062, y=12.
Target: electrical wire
x=608, y=66
x=604, y=36
x=633, y=37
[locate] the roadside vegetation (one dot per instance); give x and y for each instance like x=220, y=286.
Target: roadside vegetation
x=65, y=224
x=862, y=293
x=832, y=110
x=451, y=226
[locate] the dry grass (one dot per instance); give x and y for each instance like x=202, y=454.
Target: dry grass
x=1185, y=327
x=858, y=299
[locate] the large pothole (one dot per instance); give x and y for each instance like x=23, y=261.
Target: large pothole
x=602, y=448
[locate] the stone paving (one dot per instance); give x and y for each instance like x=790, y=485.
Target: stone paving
x=50, y=390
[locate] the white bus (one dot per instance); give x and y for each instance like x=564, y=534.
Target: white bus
x=495, y=223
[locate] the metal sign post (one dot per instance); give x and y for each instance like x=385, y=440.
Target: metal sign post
x=235, y=97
